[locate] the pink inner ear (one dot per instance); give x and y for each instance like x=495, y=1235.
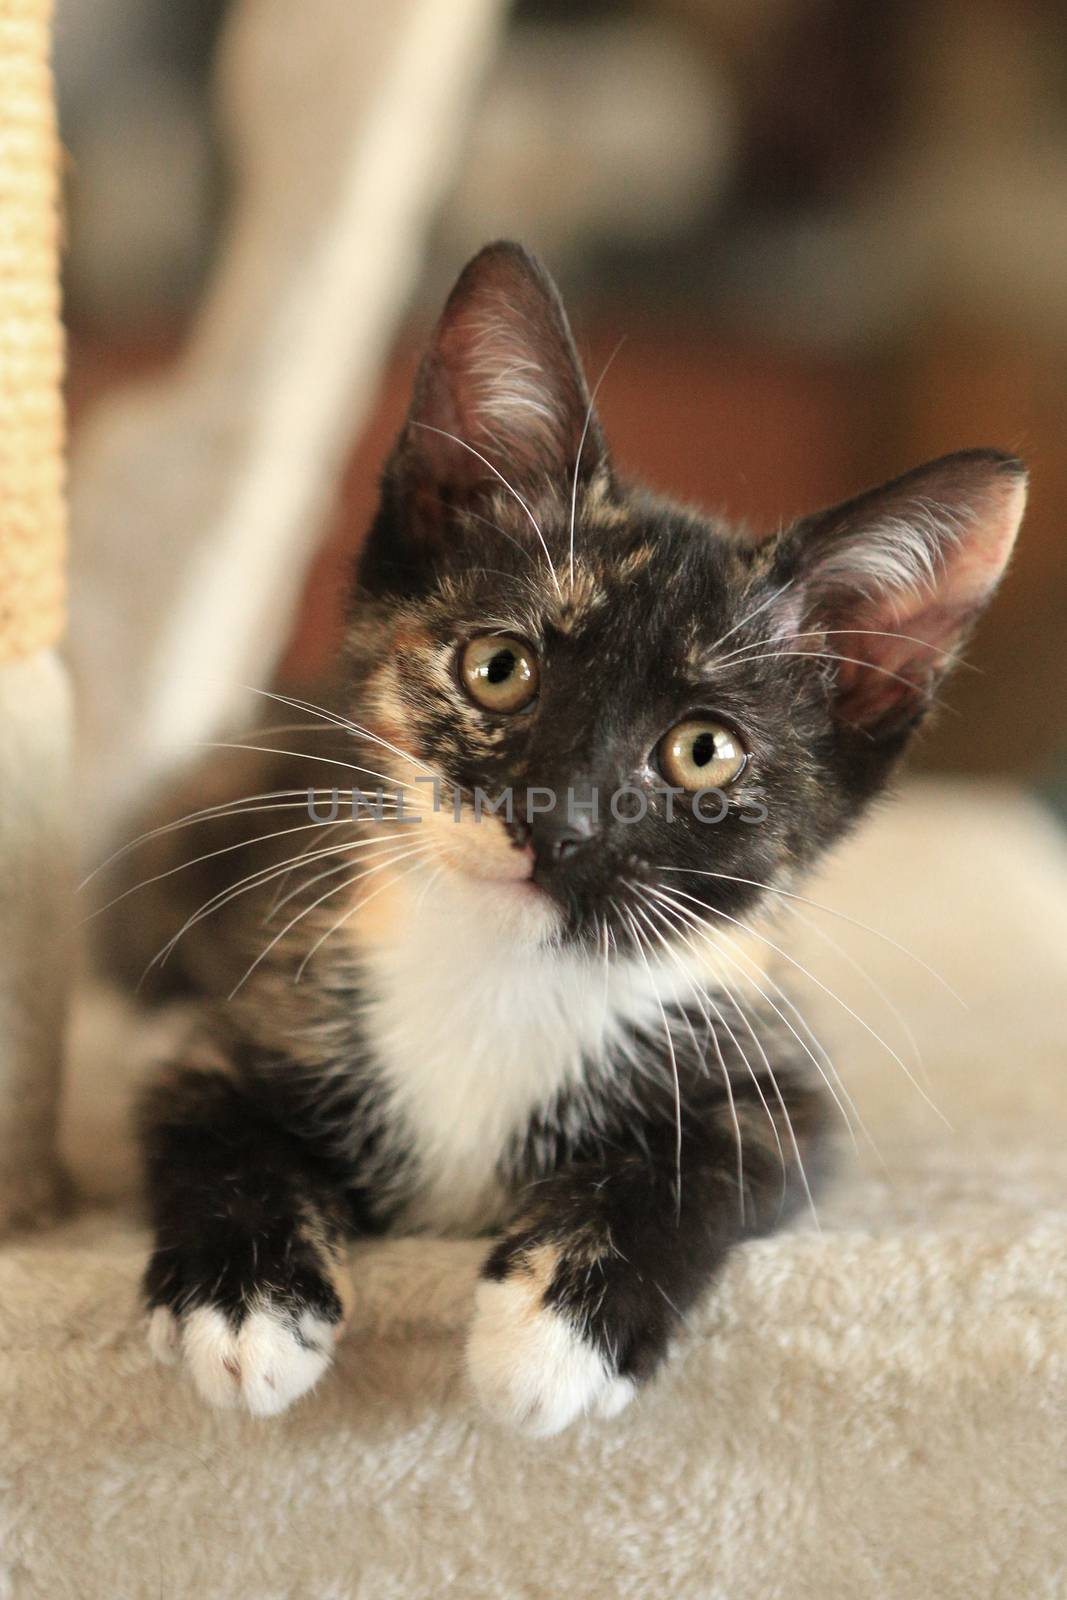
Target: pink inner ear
x=899, y=659
x=501, y=376
x=505, y=401
x=904, y=638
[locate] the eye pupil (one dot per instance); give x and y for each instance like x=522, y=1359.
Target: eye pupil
x=500, y=667
x=703, y=749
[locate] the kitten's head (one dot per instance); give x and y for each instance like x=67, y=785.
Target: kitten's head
x=548, y=638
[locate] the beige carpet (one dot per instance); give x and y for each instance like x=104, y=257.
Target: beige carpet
x=876, y=1410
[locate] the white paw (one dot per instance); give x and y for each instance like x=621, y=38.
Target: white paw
x=262, y=1366
x=531, y=1368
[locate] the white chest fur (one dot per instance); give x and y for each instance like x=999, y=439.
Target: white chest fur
x=475, y=1024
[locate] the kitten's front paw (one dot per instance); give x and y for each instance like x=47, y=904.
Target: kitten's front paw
x=530, y=1366
x=254, y=1327
x=260, y=1359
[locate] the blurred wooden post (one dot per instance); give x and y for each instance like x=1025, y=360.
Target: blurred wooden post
x=35, y=903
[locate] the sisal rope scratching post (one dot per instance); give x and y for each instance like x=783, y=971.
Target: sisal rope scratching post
x=35, y=904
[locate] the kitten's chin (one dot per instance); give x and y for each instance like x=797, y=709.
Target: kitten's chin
x=515, y=905
x=490, y=878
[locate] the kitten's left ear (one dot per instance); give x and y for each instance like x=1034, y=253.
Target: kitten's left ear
x=499, y=395
x=895, y=579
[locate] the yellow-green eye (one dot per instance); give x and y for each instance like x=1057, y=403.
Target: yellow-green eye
x=701, y=755
x=499, y=672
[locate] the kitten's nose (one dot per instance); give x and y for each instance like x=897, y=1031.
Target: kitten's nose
x=555, y=837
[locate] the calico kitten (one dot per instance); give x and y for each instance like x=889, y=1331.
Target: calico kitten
x=534, y=1004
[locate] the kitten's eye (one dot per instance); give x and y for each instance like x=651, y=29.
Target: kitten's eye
x=499, y=672
x=701, y=755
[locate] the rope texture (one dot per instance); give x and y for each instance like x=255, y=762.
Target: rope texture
x=32, y=511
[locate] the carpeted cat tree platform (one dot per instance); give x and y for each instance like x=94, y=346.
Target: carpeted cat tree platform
x=878, y=1408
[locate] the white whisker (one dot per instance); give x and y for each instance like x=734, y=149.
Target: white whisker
x=208, y=855
x=510, y=488
x=819, y=655
x=725, y=1071
x=306, y=910
x=581, y=444
x=771, y=598
x=306, y=755
x=356, y=728
x=715, y=944
x=826, y=633
x=833, y=996
x=302, y=887
x=207, y=813
x=255, y=880
x=783, y=1107
x=639, y=942
x=420, y=850
x=846, y=956
x=831, y=911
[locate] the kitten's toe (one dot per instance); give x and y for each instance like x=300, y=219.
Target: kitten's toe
x=531, y=1368
x=259, y=1364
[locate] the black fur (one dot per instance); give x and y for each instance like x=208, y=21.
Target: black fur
x=238, y=1204
x=641, y=1215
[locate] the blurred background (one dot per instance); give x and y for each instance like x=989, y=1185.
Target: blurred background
x=832, y=235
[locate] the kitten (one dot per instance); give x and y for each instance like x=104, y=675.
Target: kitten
x=533, y=1004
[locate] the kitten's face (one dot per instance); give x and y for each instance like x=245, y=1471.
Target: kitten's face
x=670, y=716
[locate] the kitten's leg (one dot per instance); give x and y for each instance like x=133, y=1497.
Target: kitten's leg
x=247, y=1282
x=579, y=1299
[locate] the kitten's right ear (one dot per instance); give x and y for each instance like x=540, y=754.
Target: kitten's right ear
x=893, y=581
x=500, y=399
